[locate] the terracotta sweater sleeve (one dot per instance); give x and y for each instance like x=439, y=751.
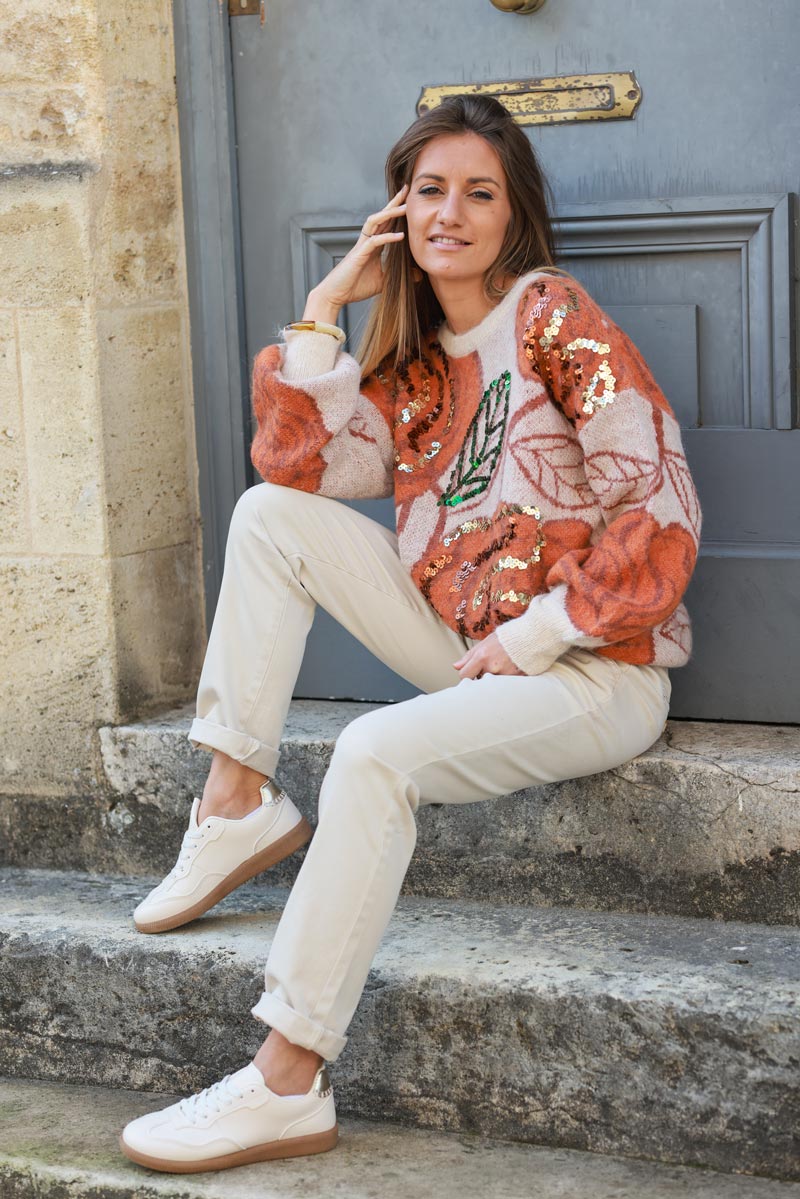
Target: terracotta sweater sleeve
x=633, y=574
x=321, y=427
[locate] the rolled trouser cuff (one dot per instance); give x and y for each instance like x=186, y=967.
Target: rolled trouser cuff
x=204, y=734
x=300, y=1030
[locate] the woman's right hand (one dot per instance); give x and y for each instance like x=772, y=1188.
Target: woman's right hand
x=360, y=273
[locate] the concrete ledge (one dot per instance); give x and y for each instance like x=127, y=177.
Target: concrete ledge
x=706, y=823
x=648, y=1037
x=61, y=1142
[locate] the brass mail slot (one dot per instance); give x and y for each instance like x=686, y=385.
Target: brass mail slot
x=552, y=99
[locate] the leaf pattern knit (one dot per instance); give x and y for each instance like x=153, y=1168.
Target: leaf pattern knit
x=540, y=484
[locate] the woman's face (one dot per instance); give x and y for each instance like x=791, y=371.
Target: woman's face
x=457, y=208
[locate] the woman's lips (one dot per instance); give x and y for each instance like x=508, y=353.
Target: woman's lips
x=449, y=245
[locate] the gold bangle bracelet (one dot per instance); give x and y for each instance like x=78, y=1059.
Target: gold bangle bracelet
x=318, y=327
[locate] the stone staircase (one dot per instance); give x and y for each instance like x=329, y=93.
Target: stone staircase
x=608, y=969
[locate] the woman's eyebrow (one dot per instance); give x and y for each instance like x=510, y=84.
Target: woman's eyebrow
x=473, y=179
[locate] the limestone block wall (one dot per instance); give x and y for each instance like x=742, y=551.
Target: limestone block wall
x=101, y=614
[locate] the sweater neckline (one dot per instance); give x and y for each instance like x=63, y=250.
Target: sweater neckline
x=456, y=345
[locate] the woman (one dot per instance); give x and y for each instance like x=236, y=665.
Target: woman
x=548, y=528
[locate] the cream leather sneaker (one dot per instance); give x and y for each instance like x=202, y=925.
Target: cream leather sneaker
x=232, y=1123
x=221, y=854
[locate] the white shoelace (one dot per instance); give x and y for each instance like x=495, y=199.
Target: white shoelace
x=210, y=1101
x=189, y=845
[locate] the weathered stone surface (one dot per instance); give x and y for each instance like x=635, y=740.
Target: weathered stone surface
x=137, y=200
x=61, y=1143
x=45, y=253
x=14, y=531
x=97, y=458
x=159, y=637
x=665, y=1038
x=56, y=685
x=50, y=122
x=65, y=450
x=136, y=43
x=149, y=501
x=663, y=833
x=42, y=44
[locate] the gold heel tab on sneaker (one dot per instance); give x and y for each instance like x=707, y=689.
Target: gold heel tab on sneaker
x=271, y=793
x=322, y=1085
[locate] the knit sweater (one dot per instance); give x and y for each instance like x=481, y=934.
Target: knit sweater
x=540, y=484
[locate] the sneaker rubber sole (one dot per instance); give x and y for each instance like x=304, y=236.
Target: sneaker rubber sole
x=319, y=1142
x=295, y=838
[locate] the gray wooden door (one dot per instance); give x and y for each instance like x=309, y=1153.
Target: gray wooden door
x=678, y=220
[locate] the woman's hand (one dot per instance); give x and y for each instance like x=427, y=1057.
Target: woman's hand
x=360, y=273
x=487, y=657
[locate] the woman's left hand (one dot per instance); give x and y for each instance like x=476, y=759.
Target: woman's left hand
x=487, y=657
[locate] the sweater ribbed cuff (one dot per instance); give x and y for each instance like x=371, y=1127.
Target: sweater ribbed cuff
x=534, y=640
x=307, y=355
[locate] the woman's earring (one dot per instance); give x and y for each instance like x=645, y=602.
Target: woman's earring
x=416, y=274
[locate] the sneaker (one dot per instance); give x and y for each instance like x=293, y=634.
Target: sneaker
x=221, y=854
x=232, y=1123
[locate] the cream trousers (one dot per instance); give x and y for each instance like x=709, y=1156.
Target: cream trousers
x=462, y=741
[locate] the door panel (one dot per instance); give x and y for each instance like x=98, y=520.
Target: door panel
x=704, y=286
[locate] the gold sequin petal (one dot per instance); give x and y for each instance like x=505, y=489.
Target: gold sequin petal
x=591, y=401
x=515, y=597
x=557, y=320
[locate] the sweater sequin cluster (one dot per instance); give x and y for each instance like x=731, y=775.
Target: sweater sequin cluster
x=540, y=483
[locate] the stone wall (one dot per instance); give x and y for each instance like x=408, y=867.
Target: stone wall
x=101, y=616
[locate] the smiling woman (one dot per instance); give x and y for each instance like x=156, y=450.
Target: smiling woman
x=457, y=212
x=547, y=527
x=467, y=160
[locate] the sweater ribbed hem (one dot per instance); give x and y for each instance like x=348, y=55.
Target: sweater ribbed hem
x=537, y=638
x=308, y=355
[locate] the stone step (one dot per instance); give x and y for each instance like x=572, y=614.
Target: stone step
x=658, y=1037
x=60, y=1141
x=706, y=823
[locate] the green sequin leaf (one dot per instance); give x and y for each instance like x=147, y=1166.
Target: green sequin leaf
x=483, y=443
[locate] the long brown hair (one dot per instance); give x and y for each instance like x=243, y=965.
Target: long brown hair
x=407, y=308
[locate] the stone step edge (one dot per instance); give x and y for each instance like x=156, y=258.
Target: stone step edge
x=723, y=746
x=705, y=824
x=94, y=905
x=546, y=1026
x=60, y=1139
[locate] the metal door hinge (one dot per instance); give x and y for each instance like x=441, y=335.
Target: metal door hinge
x=244, y=8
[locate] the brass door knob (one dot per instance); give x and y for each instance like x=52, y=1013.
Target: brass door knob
x=518, y=6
